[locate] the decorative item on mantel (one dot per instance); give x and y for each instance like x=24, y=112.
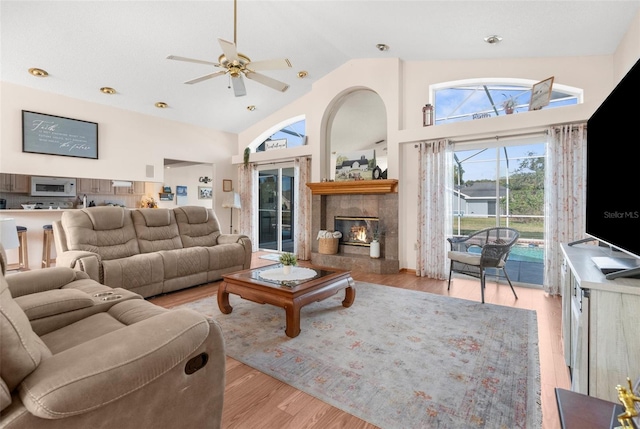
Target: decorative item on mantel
x=288, y=260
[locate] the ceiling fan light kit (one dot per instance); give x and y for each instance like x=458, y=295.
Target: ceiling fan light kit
x=237, y=65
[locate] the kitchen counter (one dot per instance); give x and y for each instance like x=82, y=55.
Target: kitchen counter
x=33, y=220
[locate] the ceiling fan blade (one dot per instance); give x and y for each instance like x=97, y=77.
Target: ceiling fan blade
x=277, y=64
x=191, y=60
x=238, y=86
x=266, y=80
x=205, y=77
x=229, y=50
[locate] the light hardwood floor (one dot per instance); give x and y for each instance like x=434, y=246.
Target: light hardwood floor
x=255, y=400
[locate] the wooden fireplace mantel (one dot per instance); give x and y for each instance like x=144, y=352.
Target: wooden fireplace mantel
x=384, y=186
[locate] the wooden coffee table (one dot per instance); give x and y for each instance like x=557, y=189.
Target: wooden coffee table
x=291, y=296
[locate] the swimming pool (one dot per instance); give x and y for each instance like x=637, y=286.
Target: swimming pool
x=527, y=254
x=522, y=253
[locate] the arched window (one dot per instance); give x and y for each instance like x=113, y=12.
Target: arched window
x=293, y=134
x=467, y=100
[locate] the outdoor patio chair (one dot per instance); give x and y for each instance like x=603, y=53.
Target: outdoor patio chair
x=487, y=248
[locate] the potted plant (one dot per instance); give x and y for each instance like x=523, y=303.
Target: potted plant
x=288, y=260
x=509, y=104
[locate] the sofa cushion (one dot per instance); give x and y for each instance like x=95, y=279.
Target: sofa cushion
x=156, y=230
x=107, y=231
x=198, y=226
x=142, y=274
x=21, y=350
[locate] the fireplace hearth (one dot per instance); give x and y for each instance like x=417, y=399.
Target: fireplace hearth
x=363, y=200
x=356, y=231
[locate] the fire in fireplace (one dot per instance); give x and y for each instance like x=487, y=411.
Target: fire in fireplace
x=356, y=231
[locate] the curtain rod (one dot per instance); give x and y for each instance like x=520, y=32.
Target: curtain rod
x=498, y=137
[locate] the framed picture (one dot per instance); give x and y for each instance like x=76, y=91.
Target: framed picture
x=205, y=192
x=227, y=185
x=355, y=165
x=181, y=191
x=541, y=94
x=55, y=135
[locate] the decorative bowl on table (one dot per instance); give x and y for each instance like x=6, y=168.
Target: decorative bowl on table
x=28, y=206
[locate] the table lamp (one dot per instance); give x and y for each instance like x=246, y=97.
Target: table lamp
x=232, y=201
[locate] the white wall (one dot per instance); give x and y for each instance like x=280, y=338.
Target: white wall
x=127, y=143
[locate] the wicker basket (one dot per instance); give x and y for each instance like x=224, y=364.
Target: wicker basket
x=328, y=246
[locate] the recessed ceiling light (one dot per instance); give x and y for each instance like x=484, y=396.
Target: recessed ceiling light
x=161, y=105
x=251, y=108
x=492, y=40
x=107, y=90
x=302, y=74
x=38, y=72
x=382, y=47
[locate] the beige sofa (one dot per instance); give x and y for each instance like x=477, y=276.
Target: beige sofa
x=95, y=363
x=149, y=251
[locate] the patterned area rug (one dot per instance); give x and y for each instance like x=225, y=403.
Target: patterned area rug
x=398, y=358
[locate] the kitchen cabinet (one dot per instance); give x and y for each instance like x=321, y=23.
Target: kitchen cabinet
x=17, y=183
x=600, y=324
x=137, y=188
x=94, y=186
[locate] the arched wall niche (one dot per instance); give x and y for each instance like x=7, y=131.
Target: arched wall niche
x=355, y=121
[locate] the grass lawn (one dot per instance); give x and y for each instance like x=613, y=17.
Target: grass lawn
x=528, y=227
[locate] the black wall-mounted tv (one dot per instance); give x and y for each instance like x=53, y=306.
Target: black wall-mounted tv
x=613, y=168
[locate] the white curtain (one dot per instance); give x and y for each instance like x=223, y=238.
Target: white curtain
x=249, y=201
x=435, y=184
x=564, y=197
x=302, y=207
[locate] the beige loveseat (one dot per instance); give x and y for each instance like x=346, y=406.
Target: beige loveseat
x=149, y=251
x=95, y=362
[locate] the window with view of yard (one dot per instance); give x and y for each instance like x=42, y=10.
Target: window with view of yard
x=504, y=186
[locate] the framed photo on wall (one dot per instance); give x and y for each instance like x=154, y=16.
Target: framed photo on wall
x=227, y=185
x=541, y=94
x=205, y=193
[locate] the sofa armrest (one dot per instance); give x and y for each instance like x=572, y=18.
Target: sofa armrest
x=29, y=282
x=108, y=368
x=81, y=260
x=52, y=302
x=233, y=238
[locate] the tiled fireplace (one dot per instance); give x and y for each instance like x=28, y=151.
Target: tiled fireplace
x=357, y=209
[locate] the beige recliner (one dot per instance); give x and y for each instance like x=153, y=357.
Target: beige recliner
x=129, y=365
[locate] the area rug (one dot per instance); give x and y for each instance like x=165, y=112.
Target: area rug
x=398, y=358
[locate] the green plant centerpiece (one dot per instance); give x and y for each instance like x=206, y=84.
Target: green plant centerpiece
x=288, y=260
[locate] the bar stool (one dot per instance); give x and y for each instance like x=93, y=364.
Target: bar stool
x=23, y=251
x=47, y=243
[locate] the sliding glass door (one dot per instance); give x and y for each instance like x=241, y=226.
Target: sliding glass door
x=276, y=220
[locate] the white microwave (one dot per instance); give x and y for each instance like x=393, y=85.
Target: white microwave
x=52, y=187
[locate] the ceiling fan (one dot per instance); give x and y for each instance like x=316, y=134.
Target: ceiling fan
x=236, y=65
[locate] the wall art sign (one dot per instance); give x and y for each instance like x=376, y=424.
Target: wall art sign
x=275, y=144
x=55, y=135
